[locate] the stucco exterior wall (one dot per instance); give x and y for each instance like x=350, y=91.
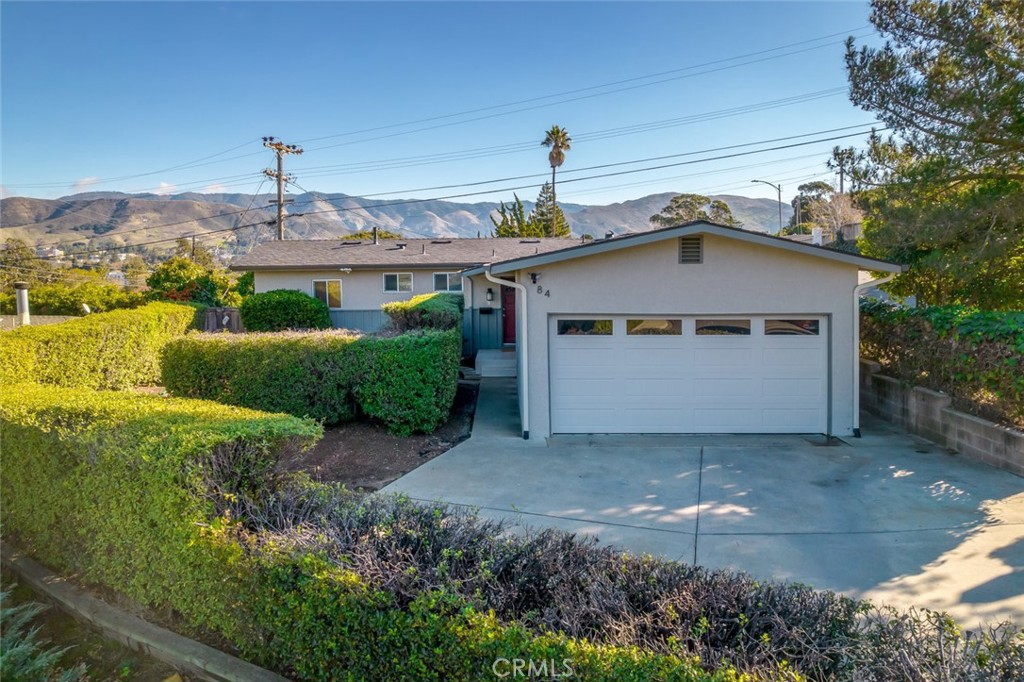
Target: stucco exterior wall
x=735, y=278
x=360, y=289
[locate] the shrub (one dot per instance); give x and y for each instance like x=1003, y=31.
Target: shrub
x=181, y=279
x=23, y=656
x=283, y=309
x=122, y=488
x=408, y=382
x=114, y=350
x=974, y=356
x=426, y=311
x=64, y=299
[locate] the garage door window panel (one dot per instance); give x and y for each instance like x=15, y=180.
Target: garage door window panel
x=584, y=327
x=723, y=327
x=654, y=327
x=792, y=327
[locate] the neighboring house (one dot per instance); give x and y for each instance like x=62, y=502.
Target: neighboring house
x=355, y=277
x=697, y=328
x=117, y=277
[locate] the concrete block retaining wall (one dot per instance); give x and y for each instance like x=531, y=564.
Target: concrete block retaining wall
x=928, y=414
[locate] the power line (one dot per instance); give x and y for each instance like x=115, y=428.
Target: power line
x=596, y=87
x=512, y=148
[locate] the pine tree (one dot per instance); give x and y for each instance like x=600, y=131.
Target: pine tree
x=542, y=215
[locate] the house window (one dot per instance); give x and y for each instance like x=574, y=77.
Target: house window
x=328, y=291
x=791, y=327
x=448, y=281
x=397, y=282
x=584, y=327
x=654, y=327
x=723, y=327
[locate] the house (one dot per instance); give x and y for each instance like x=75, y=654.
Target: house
x=355, y=277
x=117, y=277
x=697, y=328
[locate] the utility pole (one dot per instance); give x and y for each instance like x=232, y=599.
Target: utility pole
x=193, y=247
x=280, y=148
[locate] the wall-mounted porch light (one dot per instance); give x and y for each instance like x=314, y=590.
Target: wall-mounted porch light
x=534, y=276
x=490, y=295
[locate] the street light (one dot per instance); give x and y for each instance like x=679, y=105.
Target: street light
x=778, y=188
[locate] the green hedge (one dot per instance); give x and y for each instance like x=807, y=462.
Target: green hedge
x=976, y=357
x=282, y=309
x=426, y=311
x=114, y=350
x=408, y=382
x=63, y=299
x=122, y=488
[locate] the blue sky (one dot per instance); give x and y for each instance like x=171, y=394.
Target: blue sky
x=146, y=96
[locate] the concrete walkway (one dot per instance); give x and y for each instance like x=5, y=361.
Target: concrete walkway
x=890, y=517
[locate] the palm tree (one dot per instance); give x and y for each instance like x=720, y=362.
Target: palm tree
x=559, y=141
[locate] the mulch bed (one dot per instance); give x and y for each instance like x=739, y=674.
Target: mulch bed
x=365, y=457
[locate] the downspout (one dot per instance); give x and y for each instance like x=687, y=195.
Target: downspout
x=857, y=291
x=525, y=396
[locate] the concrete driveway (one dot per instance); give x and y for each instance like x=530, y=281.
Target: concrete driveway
x=889, y=517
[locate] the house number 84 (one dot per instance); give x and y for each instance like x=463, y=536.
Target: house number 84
x=541, y=290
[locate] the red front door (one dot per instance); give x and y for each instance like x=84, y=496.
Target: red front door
x=508, y=314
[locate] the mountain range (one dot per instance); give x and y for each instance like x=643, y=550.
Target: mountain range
x=114, y=219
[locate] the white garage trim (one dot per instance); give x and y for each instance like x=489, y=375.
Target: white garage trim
x=689, y=373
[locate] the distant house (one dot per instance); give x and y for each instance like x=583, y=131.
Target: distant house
x=49, y=252
x=117, y=277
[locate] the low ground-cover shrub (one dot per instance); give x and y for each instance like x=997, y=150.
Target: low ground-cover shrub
x=282, y=309
x=24, y=657
x=976, y=357
x=114, y=350
x=64, y=299
x=426, y=311
x=408, y=381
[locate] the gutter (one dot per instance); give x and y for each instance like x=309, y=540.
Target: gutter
x=857, y=292
x=524, y=394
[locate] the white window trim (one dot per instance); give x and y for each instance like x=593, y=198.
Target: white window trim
x=384, y=282
x=448, y=290
x=341, y=292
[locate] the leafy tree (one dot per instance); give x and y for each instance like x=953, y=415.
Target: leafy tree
x=135, y=271
x=558, y=141
x=944, y=192
x=513, y=221
x=553, y=226
x=246, y=284
x=180, y=279
x=19, y=263
x=201, y=255
x=686, y=208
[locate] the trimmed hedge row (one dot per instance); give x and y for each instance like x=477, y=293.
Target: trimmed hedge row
x=281, y=309
x=122, y=488
x=408, y=382
x=426, y=311
x=114, y=350
x=176, y=504
x=976, y=357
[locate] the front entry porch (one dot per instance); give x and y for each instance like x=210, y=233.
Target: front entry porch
x=496, y=362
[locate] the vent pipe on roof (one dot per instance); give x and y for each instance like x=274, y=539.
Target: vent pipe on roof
x=424, y=251
x=609, y=234
x=375, y=235
x=816, y=236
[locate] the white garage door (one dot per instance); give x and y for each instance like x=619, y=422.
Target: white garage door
x=641, y=374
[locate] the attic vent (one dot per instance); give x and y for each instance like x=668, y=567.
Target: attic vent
x=529, y=241
x=400, y=246
x=351, y=243
x=691, y=249
x=441, y=241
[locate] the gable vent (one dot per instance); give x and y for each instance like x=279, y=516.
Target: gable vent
x=691, y=249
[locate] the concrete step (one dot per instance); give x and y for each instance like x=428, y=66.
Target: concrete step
x=496, y=363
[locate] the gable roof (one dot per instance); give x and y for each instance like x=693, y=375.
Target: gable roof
x=457, y=254
x=686, y=229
